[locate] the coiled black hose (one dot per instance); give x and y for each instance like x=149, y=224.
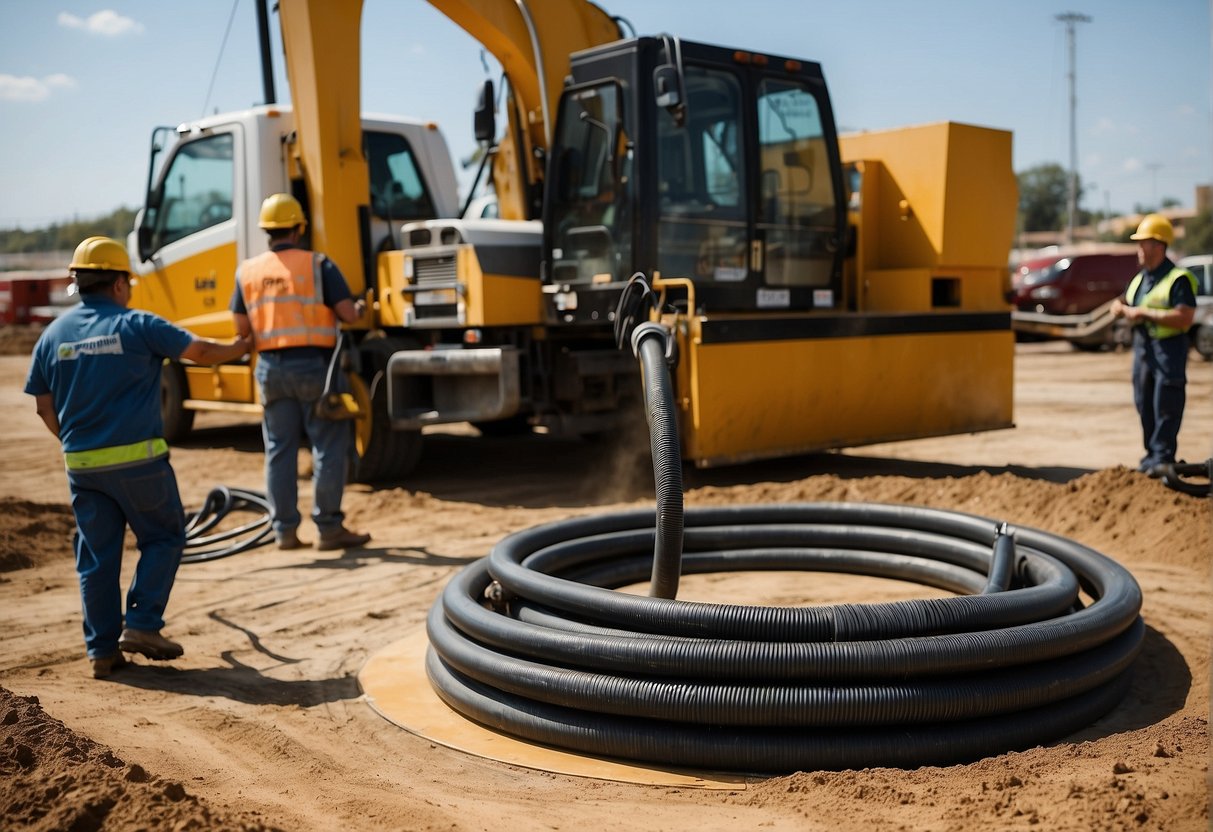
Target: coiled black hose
x=1037, y=642
x=222, y=501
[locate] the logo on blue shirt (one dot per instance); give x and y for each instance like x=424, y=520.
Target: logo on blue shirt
x=100, y=345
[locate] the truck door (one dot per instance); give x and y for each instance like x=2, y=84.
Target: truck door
x=748, y=190
x=795, y=219
x=187, y=235
x=702, y=223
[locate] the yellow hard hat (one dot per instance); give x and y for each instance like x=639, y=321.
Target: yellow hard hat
x=1155, y=227
x=101, y=254
x=281, y=211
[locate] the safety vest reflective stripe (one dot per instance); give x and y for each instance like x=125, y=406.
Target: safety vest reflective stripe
x=118, y=456
x=1159, y=297
x=283, y=293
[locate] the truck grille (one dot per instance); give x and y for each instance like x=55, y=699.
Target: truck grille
x=434, y=269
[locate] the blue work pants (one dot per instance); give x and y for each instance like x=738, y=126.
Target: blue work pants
x=1159, y=382
x=146, y=498
x=291, y=382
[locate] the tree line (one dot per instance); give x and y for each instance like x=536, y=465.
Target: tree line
x=66, y=236
x=1044, y=198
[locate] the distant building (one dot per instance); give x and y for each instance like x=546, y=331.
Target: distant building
x=1204, y=198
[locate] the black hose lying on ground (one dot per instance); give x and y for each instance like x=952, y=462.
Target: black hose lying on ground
x=535, y=641
x=1195, y=478
x=201, y=545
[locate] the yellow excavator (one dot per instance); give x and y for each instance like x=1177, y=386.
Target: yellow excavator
x=820, y=291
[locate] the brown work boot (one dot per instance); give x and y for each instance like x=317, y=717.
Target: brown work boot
x=149, y=643
x=342, y=538
x=105, y=665
x=289, y=539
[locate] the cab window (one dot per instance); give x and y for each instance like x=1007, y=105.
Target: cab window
x=397, y=189
x=195, y=192
x=701, y=182
x=590, y=190
x=796, y=208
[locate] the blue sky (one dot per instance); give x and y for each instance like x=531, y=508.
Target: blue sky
x=82, y=84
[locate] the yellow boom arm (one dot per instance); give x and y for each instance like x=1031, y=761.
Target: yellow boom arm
x=532, y=39
x=322, y=41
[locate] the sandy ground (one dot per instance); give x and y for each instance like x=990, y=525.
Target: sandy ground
x=263, y=725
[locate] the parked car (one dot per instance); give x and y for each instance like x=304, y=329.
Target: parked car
x=1071, y=284
x=1201, y=333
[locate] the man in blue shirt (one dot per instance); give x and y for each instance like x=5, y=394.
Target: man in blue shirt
x=95, y=377
x=1160, y=303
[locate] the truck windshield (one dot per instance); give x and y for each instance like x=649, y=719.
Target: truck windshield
x=589, y=190
x=1049, y=274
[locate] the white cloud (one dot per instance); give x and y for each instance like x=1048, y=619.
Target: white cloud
x=107, y=23
x=1132, y=165
x=1105, y=125
x=27, y=88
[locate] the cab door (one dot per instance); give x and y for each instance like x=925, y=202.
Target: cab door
x=796, y=242
x=749, y=188
x=186, y=239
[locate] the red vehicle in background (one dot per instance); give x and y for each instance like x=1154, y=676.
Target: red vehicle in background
x=1071, y=284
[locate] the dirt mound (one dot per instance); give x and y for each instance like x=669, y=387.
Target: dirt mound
x=53, y=778
x=1115, y=511
x=33, y=533
x=18, y=339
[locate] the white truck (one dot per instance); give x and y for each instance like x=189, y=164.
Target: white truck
x=206, y=181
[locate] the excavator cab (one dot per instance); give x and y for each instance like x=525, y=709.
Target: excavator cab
x=686, y=160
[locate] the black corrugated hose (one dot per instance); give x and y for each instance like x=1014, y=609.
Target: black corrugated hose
x=1037, y=641
x=201, y=546
x=1195, y=478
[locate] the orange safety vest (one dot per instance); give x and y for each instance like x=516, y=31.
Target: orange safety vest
x=284, y=297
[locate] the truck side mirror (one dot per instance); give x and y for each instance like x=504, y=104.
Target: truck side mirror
x=484, y=123
x=144, y=240
x=666, y=88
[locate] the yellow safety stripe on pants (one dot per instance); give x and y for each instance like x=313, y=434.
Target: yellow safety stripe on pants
x=117, y=456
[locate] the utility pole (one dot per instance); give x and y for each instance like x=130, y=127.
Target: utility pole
x=1153, y=169
x=1070, y=19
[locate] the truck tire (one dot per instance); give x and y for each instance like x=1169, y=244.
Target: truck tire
x=1202, y=340
x=178, y=421
x=381, y=453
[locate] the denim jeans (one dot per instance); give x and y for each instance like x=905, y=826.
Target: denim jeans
x=145, y=497
x=1160, y=375
x=291, y=382
x=1160, y=403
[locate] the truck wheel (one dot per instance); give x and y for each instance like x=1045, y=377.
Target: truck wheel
x=178, y=422
x=1121, y=335
x=381, y=452
x=1202, y=339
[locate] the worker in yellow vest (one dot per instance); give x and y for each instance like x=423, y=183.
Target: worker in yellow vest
x=1160, y=303
x=289, y=299
x=95, y=378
